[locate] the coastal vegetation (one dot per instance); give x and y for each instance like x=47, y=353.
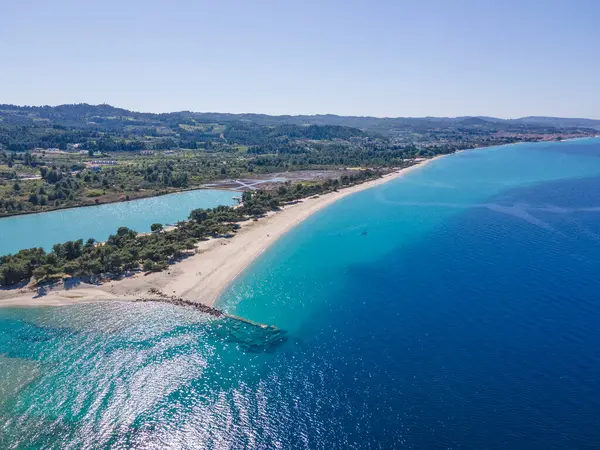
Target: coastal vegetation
x=76, y=155
x=59, y=180
x=127, y=251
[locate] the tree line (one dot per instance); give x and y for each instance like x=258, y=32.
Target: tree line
x=127, y=251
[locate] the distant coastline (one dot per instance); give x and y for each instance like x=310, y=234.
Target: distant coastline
x=204, y=276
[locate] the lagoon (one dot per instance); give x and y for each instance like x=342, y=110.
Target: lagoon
x=98, y=222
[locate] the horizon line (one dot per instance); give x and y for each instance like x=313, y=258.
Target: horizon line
x=296, y=115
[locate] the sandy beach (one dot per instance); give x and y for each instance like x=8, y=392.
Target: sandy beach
x=203, y=276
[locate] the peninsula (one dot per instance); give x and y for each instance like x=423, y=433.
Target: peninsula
x=216, y=263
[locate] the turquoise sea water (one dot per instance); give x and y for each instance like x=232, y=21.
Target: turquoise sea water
x=456, y=307
x=98, y=222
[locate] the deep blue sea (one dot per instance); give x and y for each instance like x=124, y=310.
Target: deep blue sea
x=457, y=307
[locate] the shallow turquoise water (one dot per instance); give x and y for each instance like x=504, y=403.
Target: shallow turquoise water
x=98, y=222
x=456, y=307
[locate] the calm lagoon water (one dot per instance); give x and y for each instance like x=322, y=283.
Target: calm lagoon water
x=457, y=307
x=98, y=222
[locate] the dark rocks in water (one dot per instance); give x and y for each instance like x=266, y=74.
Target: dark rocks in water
x=364, y=233
x=251, y=336
x=182, y=302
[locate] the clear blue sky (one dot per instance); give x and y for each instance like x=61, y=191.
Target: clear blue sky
x=504, y=58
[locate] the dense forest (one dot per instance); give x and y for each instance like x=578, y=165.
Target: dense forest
x=106, y=128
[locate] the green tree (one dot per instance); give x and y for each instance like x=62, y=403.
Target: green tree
x=246, y=197
x=34, y=199
x=28, y=160
x=199, y=215
x=42, y=272
x=13, y=272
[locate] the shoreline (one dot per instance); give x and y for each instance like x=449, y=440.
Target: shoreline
x=210, y=188
x=204, y=276
x=90, y=205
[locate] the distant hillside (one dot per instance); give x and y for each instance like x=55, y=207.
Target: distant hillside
x=560, y=122
x=106, y=128
x=388, y=125
x=84, y=114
